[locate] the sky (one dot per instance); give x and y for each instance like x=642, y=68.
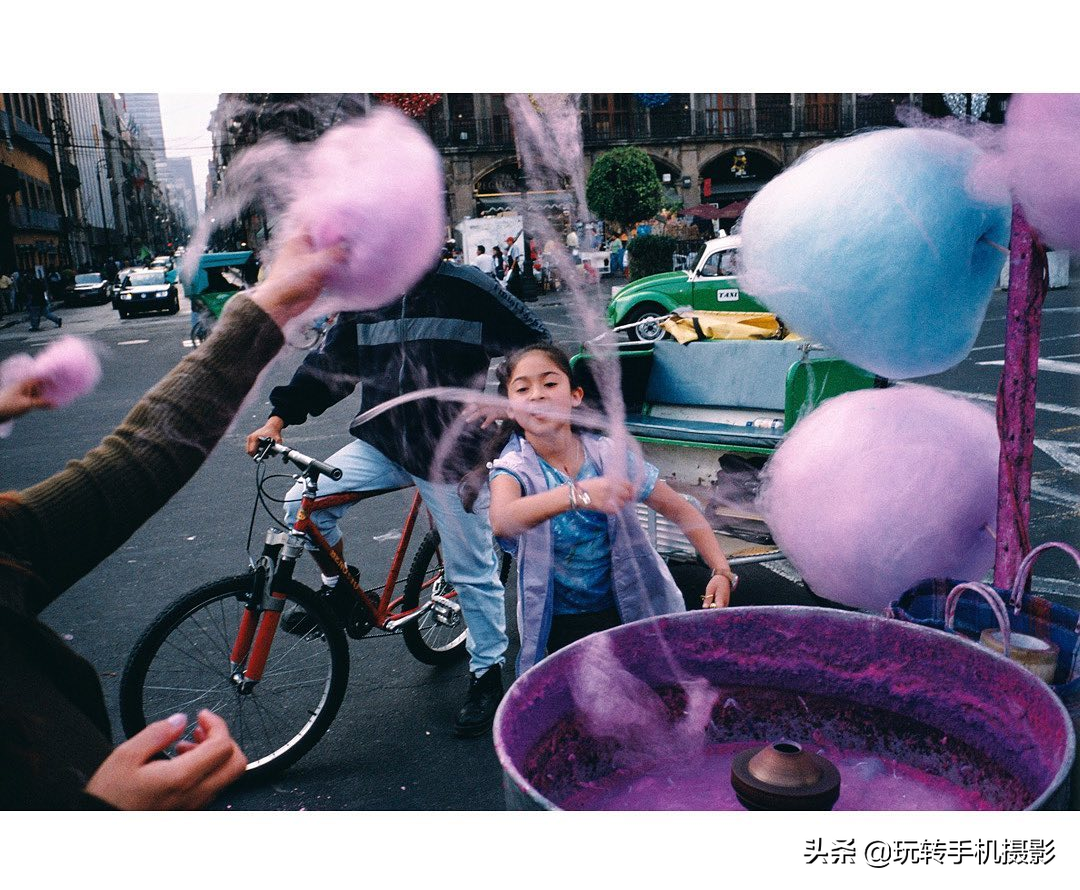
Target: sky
x=184, y=119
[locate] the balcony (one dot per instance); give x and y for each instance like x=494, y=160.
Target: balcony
x=473, y=133
x=41, y=220
x=642, y=126
x=11, y=124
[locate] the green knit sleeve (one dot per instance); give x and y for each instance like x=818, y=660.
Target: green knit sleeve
x=73, y=520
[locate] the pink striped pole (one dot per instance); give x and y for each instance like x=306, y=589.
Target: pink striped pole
x=1016, y=397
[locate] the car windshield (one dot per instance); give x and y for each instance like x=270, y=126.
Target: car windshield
x=141, y=279
x=94, y=278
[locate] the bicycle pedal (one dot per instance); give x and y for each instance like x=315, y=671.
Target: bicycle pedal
x=446, y=611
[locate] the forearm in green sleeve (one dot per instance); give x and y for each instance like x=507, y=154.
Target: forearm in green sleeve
x=86, y=511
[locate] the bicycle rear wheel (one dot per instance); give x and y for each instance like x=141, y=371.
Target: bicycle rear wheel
x=181, y=664
x=437, y=637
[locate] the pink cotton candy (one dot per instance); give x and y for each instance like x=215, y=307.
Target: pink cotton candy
x=68, y=370
x=1042, y=156
x=879, y=489
x=376, y=184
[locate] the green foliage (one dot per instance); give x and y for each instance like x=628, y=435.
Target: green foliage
x=650, y=255
x=623, y=186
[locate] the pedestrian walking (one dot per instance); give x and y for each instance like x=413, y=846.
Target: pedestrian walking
x=37, y=304
x=483, y=261
x=499, y=262
x=7, y=303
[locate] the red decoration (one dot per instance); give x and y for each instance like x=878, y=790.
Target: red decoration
x=706, y=188
x=413, y=104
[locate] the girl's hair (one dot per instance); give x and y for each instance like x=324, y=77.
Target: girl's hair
x=471, y=484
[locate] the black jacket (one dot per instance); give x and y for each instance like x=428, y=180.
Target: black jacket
x=444, y=332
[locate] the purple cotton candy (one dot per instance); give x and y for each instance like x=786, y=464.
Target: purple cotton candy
x=376, y=184
x=879, y=489
x=1042, y=155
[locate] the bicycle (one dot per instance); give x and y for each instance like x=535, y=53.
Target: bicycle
x=218, y=646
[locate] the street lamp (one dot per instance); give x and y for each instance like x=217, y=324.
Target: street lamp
x=101, y=164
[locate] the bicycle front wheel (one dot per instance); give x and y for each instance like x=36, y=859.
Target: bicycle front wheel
x=181, y=664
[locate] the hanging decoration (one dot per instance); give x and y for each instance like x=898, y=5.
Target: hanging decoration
x=738, y=166
x=413, y=104
x=653, y=100
x=969, y=105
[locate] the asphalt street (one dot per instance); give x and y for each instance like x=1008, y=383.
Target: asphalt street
x=390, y=746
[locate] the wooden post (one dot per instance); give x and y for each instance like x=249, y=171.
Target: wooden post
x=1016, y=397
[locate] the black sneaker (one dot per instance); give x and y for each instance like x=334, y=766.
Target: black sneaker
x=341, y=598
x=485, y=693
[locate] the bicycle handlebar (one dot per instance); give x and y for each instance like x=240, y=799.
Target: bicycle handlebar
x=271, y=448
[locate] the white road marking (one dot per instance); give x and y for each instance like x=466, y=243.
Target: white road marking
x=1067, y=454
x=986, y=397
x=1045, y=364
x=132, y=342
x=1042, y=340
x=1053, y=495
x=388, y=536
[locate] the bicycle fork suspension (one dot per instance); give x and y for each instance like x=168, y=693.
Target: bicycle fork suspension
x=259, y=623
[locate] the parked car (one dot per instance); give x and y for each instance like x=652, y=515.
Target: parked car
x=89, y=289
x=148, y=290
x=710, y=285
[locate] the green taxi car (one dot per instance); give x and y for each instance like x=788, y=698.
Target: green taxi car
x=710, y=285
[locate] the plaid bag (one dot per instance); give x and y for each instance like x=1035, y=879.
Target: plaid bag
x=1026, y=613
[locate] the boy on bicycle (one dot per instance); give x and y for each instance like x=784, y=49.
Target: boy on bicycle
x=444, y=332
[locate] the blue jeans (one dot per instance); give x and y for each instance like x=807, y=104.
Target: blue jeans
x=36, y=312
x=469, y=557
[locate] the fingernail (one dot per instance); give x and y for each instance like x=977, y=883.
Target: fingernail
x=177, y=720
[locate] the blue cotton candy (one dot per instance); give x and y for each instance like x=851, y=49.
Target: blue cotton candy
x=875, y=247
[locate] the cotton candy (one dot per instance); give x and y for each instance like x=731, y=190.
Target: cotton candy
x=876, y=247
x=68, y=369
x=376, y=184
x=877, y=490
x=1042, y=155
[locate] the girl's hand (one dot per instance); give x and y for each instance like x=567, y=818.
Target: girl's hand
x=717, y=593
x=607, y=495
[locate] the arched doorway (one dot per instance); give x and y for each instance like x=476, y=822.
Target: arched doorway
x=669, y=176
x=736, y=174
x=503, y=190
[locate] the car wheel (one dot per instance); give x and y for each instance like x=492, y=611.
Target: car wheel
x=646, y=324
x=124, y=314
x=175, y=307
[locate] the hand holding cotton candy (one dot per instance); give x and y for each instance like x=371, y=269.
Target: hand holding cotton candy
x=877, y=490
x=66, y=370
x=1042, y=156
x=376, y=184
x=875, y=247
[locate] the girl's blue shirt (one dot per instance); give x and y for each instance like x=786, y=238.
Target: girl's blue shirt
x=582, y=549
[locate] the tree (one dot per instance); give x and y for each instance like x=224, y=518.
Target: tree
x=623, y=186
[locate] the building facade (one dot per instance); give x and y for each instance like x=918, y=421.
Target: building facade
x=715, y=148
x=30, y=218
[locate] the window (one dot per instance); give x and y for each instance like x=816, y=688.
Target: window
x=711, y=267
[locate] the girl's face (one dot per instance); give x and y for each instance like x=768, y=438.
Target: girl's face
x=537, y=381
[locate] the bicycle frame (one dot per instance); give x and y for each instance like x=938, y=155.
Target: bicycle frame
x=260, y=620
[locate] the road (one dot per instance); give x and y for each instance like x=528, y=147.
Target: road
x=390, y=747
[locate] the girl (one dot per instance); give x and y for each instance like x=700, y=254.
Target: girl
x=584, y=562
